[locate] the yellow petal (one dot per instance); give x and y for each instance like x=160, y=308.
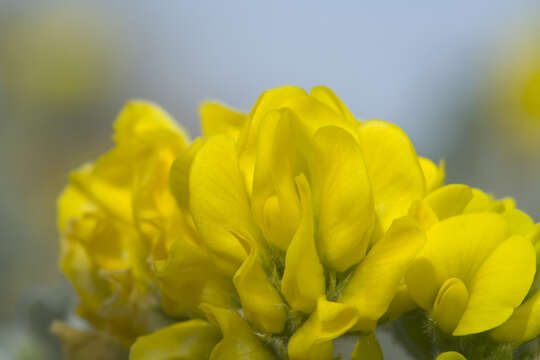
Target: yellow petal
x=92, y=182
x=84, y=276
x=481, y=202
x=218, y=119
x=188, y=340
x=393, y=168
x=423, y=213
x=451, y=355
x=401, y=304
x=376, y=279
x=523, y=325
x=188, y=277
x=450, y=304
x=239, y=341
x=433, y=174
x=303, y=280
x=219, y=202
x=367, y=348
x=329, y=98
x=342, y=198
x=520, y=223
x=422, y=282
x=180, y=172
x=449, y=200
x=312, y=341
x=499, y=286
x=269, y=100
x=105, y=241
x=470, y=238
x=534, y=237
x=142, y=119
x=261, y=302
x=275, y=201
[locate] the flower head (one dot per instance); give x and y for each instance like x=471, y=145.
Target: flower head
x=278, y=231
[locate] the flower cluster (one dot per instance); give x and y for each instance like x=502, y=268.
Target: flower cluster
x=280, y=230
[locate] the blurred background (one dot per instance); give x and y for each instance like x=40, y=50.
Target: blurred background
x=461, y=78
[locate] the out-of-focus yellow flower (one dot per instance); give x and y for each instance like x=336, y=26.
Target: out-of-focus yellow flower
x=513, y=98
x=107, y=216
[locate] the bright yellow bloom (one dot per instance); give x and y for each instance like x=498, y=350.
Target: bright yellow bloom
x=477, y=265
x=280, y=230
x=299, y=182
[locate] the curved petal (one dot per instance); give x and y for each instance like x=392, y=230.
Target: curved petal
x=219, y=202
x=239, y=341
x=376, y=279
x=422, y=282
x=188, y=278
x=329, y=98
x=423, y=213
x=450, y=304
x=401, y=304
x=523, y=325
x=140, y=120
x=470, y=238
x=261, y=302
x=219, y=119
x=393, y=168
x=189, y=340
x=269, y=100
x=180, y=172
x=274, y=198
x=499, y=286
x=367, y=348
x=342, y=198
x=433, y=174
x=520, y=223
x=303, y=280
x=312, y=341
x=92, y=181
x=449, y=200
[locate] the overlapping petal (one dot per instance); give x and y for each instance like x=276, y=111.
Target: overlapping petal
x=493, y=272
x=238, y=342
x=375, y=281
x=313, y=340
x=303, y=280
x=393, y=168
x=188, y=340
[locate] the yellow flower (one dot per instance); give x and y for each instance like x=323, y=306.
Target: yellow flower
x=295, y=202
x=280, y=230
x=104, y=215
x=477, y=265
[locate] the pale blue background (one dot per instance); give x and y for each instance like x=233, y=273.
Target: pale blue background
x=415, y=65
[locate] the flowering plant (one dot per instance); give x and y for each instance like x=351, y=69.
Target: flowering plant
x=281, y=230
